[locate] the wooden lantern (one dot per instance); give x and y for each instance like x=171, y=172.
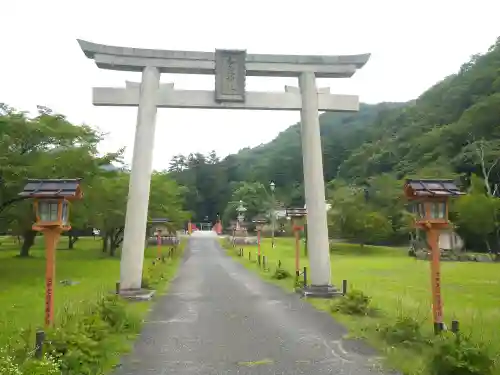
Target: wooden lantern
x=430, y=201
x=259, y=223
x=430, y=205
x=298, y=216
x=51, y=201
x=51, y=204
x=161, y=223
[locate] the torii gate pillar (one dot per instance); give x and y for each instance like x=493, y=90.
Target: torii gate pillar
x=140, y=182
x=314, y=186
x=230, y=68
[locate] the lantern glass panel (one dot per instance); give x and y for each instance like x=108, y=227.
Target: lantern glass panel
x=438, y=210
x=65, y=212
x=419, y=210
x=48, y=210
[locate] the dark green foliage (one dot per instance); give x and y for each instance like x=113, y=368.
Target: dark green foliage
x=405, y=331
x=44, y=366
x=299, y=283
x=454, y=355
x=81, y=344
x=354, y=302
x=281, y=274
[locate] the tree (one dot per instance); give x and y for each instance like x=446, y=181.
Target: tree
x=255, y=199
x=106, y=202
x=45, y=146
x=205, y=180
x=353, y=219
x=177, y=164
x=485, y=154
x=477, y=213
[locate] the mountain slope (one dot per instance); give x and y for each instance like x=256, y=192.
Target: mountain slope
x=442, y=128
x=281, y=159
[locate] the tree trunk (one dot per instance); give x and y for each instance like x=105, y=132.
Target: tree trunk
x=104, y=237
x=487, y=245
x=116, y=239
x=496, y=247
x=29, y=239
x=71, y=241
x=112, y=249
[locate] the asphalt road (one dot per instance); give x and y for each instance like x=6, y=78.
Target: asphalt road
x=220, y=318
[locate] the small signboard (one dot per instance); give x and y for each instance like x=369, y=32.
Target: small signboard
x=230, y=75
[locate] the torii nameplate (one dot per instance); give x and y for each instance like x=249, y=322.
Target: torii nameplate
x=230, y=74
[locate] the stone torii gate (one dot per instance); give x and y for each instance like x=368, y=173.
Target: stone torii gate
x=230, y=68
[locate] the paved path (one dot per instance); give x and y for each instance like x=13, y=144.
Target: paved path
x=220, y=318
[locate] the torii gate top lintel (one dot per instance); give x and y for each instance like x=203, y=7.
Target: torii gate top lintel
x=194, y=62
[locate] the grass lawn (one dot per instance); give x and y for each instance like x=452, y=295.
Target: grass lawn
x=22, y=282
x=400, y=285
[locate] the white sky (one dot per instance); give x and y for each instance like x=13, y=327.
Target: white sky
x=413, y=44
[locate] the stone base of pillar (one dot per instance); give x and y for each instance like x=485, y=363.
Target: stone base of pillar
x=320, y=291
x=137, y=294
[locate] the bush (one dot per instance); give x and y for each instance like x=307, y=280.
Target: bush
x=45, y=366
x=8, y=366
x=405, y=331
x=458, y=355
x=281, y=274
x=113, y=311
x=77, y=352
x=299, y=283
x=353, y=303
x=81, y=344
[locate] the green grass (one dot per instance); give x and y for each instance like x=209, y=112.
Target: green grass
x=400, y=286
x=22, y=284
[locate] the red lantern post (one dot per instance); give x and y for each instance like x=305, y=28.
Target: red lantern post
x=158, y=242
x=259, y=225
x=297, y=216
x=158, y=233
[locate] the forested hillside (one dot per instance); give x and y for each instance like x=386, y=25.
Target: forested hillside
x=451, y=130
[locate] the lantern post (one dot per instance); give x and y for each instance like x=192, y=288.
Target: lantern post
x=241, y=215
x=233, y=229
x=297, y=215
x=259, y=224
x=158, y=232
x=430, y=205
x=51, y=204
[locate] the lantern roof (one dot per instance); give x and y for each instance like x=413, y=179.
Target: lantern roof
x=53, y=188
x=259, y=220
x=431, y=188
x=296, y=212
x=159, y=220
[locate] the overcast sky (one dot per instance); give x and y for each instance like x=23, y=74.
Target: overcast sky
x=413, y=45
